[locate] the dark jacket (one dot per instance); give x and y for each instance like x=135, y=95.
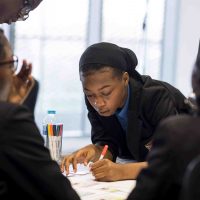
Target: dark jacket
x=31, y=99
x=26, y=169
x=175, y=144
x=150, y=102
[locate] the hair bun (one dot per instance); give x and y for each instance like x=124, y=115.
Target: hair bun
x=131, y=58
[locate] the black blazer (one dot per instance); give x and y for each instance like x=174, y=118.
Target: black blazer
x=26, y=169
x=150, y=102
x=176, y=143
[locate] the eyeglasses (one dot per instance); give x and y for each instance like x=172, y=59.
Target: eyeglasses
x=24, y=12
x=13, y=63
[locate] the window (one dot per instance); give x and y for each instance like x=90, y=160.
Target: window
x=53, y=40
x=56, y=34
x=137, y=25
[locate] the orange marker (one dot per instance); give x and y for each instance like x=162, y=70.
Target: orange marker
x=103, y=153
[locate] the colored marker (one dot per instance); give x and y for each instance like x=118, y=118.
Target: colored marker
x=103, y=153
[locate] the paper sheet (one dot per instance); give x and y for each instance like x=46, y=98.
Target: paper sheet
x=89, y=189
x=82, y=170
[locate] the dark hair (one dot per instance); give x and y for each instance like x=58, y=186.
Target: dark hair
x=92, y=68
x=34, y=3
x=105, y=54
x=197, y=63
x=196, y=80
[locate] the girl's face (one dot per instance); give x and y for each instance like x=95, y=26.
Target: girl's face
x=105, y=92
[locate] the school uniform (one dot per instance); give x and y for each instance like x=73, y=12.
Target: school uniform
x=150, y=101
x=26, y=169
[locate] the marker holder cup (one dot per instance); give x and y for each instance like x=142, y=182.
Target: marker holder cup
x=54, y=140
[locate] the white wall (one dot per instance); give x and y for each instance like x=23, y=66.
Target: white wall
x=180, y=42
x=188, y=39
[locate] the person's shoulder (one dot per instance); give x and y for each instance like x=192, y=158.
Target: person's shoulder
x=167, y=88
x=157, y=84
x=178, y=124
x=178, y=133
x=177, y=119
x=150, y=90
x=148, y=85
x=9, y=110
x=6, y=108
x=157, y=89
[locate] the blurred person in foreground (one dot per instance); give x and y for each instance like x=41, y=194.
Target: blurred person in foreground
x=176, y=143
x=25, y=87
x=16, y=10
x=26, y=170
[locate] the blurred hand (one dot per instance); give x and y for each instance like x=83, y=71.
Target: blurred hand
x=82, y=156
x=106, y=170
x=22, y=84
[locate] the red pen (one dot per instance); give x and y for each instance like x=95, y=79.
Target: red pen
x=103, y=153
